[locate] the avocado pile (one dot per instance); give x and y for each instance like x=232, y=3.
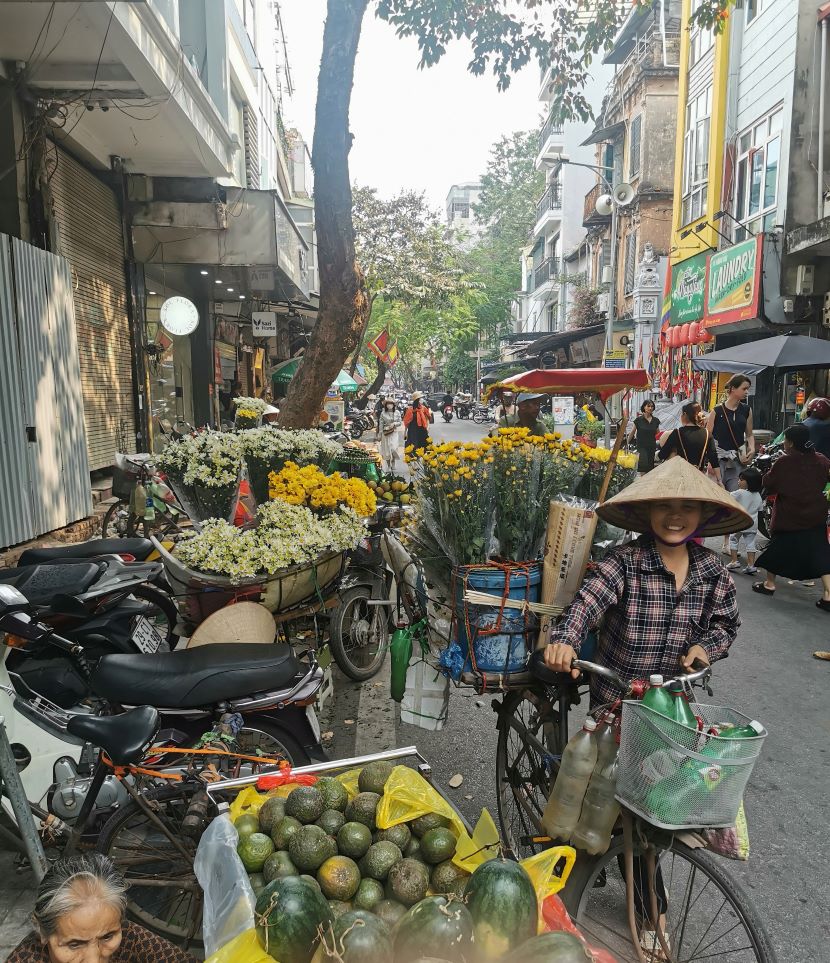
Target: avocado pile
x=331, y=886
x=392, y=489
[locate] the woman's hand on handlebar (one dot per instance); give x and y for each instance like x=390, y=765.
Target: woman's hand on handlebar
x=558, y=658
x=696, y=653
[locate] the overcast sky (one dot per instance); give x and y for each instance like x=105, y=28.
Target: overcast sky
x=423, y=129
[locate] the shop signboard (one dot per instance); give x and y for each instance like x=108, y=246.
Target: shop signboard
x=733, y=283
x=264, y=324
x=688, y=279
x=615, y=359
x=333, y=413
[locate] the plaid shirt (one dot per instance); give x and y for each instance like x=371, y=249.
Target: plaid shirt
x=648, y=625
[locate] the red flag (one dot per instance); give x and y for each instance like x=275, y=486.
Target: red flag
x=379, y=346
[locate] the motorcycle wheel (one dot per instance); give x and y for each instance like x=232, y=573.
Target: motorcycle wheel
x=359, y=634
x=260, y=735
x=164, y=615
x=356, y=430
x=479, y=417
x=765, y=520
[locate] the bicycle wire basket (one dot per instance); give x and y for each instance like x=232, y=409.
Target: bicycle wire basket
x=676, y=777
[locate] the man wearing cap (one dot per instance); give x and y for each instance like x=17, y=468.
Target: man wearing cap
x=527, y=415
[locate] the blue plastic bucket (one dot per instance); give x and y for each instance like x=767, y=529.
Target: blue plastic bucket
x=508, y=648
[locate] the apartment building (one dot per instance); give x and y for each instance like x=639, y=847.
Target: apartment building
x=460, y=214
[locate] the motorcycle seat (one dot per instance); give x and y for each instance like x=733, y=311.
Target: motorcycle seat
x=123, y=738
x=139, y=548
x=193, y=678
x=41, y=583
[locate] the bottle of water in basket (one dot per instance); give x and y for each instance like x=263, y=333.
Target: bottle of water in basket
x=565, y=803
x=600, y=809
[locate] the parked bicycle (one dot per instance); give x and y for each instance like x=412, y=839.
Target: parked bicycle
x=709, y=916
x=146, y=504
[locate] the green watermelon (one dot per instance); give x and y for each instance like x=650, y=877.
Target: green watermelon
x=289, y=915
x=357, y=937
x=438, y=927
x=502, y=902
x=556, y=947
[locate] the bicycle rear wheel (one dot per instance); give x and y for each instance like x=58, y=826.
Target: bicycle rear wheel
x=527, y=753
x=709, y=916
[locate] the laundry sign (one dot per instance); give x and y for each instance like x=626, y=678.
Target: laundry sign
x=688, y=279
x=264, y=324
x=733, y=282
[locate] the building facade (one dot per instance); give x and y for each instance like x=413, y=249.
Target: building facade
x=461, y=220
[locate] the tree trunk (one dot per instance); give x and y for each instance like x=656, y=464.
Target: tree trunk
x=344, y=304
x=362, y=335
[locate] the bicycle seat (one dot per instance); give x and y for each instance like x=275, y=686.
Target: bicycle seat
x=123, y=737
x=139, y=548
x=41, y=583
x=192, y=678
x=540, y=671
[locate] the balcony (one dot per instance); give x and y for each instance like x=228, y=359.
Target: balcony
x=589, y=212
x=548, y=210
x=551, y=143
x=548, y=270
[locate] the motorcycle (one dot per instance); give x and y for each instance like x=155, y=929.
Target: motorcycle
x=462, y=409
x=767, y=456
x=446, y=413
x=482, y=414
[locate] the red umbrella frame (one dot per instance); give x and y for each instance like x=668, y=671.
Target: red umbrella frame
x=560, y=381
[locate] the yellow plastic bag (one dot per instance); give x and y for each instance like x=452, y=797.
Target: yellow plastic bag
x=249, y=801
x=408, y=795
x=349, y=781
x=244, y=948
x=540, y=868
x=484, y=844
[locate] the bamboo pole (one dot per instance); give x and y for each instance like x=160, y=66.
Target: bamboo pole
x=612, y=461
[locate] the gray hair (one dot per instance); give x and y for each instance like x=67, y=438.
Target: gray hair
x=70, y=884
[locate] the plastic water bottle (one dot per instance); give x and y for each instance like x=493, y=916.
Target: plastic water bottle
x=677, y=801
x=657, y=698
x=599, y=808
x=565, y=803
x=149, y=507
x=723, y=748
x=400, y=649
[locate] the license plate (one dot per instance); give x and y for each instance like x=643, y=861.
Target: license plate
x=146, y=636
x=324, y=657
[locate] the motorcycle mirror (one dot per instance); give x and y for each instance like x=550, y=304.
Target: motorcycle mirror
x=11, y=599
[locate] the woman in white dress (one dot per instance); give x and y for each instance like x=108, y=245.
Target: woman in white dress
x=390, y=423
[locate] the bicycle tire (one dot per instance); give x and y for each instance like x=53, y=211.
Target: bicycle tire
x=109, y=519
x=370, y=633
x=594, y=875
x=146, y=904
x=479, y=417
x=518, y=793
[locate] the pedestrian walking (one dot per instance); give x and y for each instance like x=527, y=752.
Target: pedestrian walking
x=818, y=423
x=417, y=418
x=389, y=424
x=748, y=496
x=644, y=430
x=730, y=424
x=692, y=441
x=798, y=548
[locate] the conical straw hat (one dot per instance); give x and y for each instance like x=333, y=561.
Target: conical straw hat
x=241, y=622
x=675, y=478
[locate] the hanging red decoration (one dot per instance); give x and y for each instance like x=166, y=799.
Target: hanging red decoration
x=694, y=333
x=684, y=335
x=706, y=335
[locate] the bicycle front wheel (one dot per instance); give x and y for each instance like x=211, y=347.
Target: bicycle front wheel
x=709, y=916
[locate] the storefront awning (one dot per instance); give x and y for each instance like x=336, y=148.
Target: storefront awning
x=604, y=134
x=786, y=352
x=561, y=381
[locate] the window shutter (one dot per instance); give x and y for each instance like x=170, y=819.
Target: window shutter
x=634, y=146
x=630, y=261
x=249, y=118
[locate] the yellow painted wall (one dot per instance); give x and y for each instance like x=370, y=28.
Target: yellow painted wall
x=693, y=244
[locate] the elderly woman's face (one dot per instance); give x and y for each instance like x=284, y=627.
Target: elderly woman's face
x=91, y=934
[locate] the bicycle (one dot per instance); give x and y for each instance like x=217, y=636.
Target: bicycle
x=708, y=915
x=125, y=518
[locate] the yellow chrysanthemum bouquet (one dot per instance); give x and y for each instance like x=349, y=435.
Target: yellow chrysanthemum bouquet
x=309, y=487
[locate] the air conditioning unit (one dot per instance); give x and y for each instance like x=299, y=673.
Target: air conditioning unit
x=606, y=274
x=804, y=279
x=825, y=314
x=602, y=302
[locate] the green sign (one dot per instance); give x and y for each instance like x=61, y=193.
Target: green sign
x=688, y=280
x=733, y=282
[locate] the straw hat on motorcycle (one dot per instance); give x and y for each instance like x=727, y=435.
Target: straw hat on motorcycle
x=676, y=478
x=241, y=622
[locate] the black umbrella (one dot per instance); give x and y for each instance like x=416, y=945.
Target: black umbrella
x=785, y=352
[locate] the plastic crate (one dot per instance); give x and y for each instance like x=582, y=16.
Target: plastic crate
x=664, y=776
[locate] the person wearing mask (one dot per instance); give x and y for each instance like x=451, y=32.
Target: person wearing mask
x=818, y=424
x=416, y=419
x=730, y=424
x=527, y=414
x=798, y=548
x=388, y=424
x=692, y=441
x=79, y=916
x=645, y=430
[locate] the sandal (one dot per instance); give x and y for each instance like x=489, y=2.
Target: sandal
x=823, y=604
x=761, y=589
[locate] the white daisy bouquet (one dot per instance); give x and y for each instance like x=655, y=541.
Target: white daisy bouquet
x=267, y=449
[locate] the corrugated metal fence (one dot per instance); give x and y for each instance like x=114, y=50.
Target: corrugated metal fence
x=44, y=470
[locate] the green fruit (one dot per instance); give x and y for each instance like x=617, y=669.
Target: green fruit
x=333, y=792
x=399, y=835
x=407, y=882
x=305, y=803
x=413, y=850
x=289, y=915
x=331, y=821
x=357, y=937
x=246, y=824
x=459, y=887
x=310, y=847
x=278, y=865
x=502, y=901
x=284, y=830
x=354, y=839
x=435, y=927
x=257, y=881
x=390, y=911
x=558, y=947
x=426, y=822
x=312, y=880
x=373, y=777
x=379, y=859
x=339, y=907
x=363, y=809
x=368, y=895
x=273, y=809
x=446, y=875
x=253, y=850
x=437, y=845
x=339, y=878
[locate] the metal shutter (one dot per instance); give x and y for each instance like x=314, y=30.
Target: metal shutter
x=90, y=238
x=249, y=118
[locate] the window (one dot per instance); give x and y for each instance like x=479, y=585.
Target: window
x=756, y=183
x=237, y=126
x=630, y=261
x=552, y=314
x=634, y=141
x=753, y=8
x=460, y=209
x=700, y=41
x=696, y=156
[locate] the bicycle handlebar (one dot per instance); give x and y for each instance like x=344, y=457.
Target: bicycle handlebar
x=687, y=678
